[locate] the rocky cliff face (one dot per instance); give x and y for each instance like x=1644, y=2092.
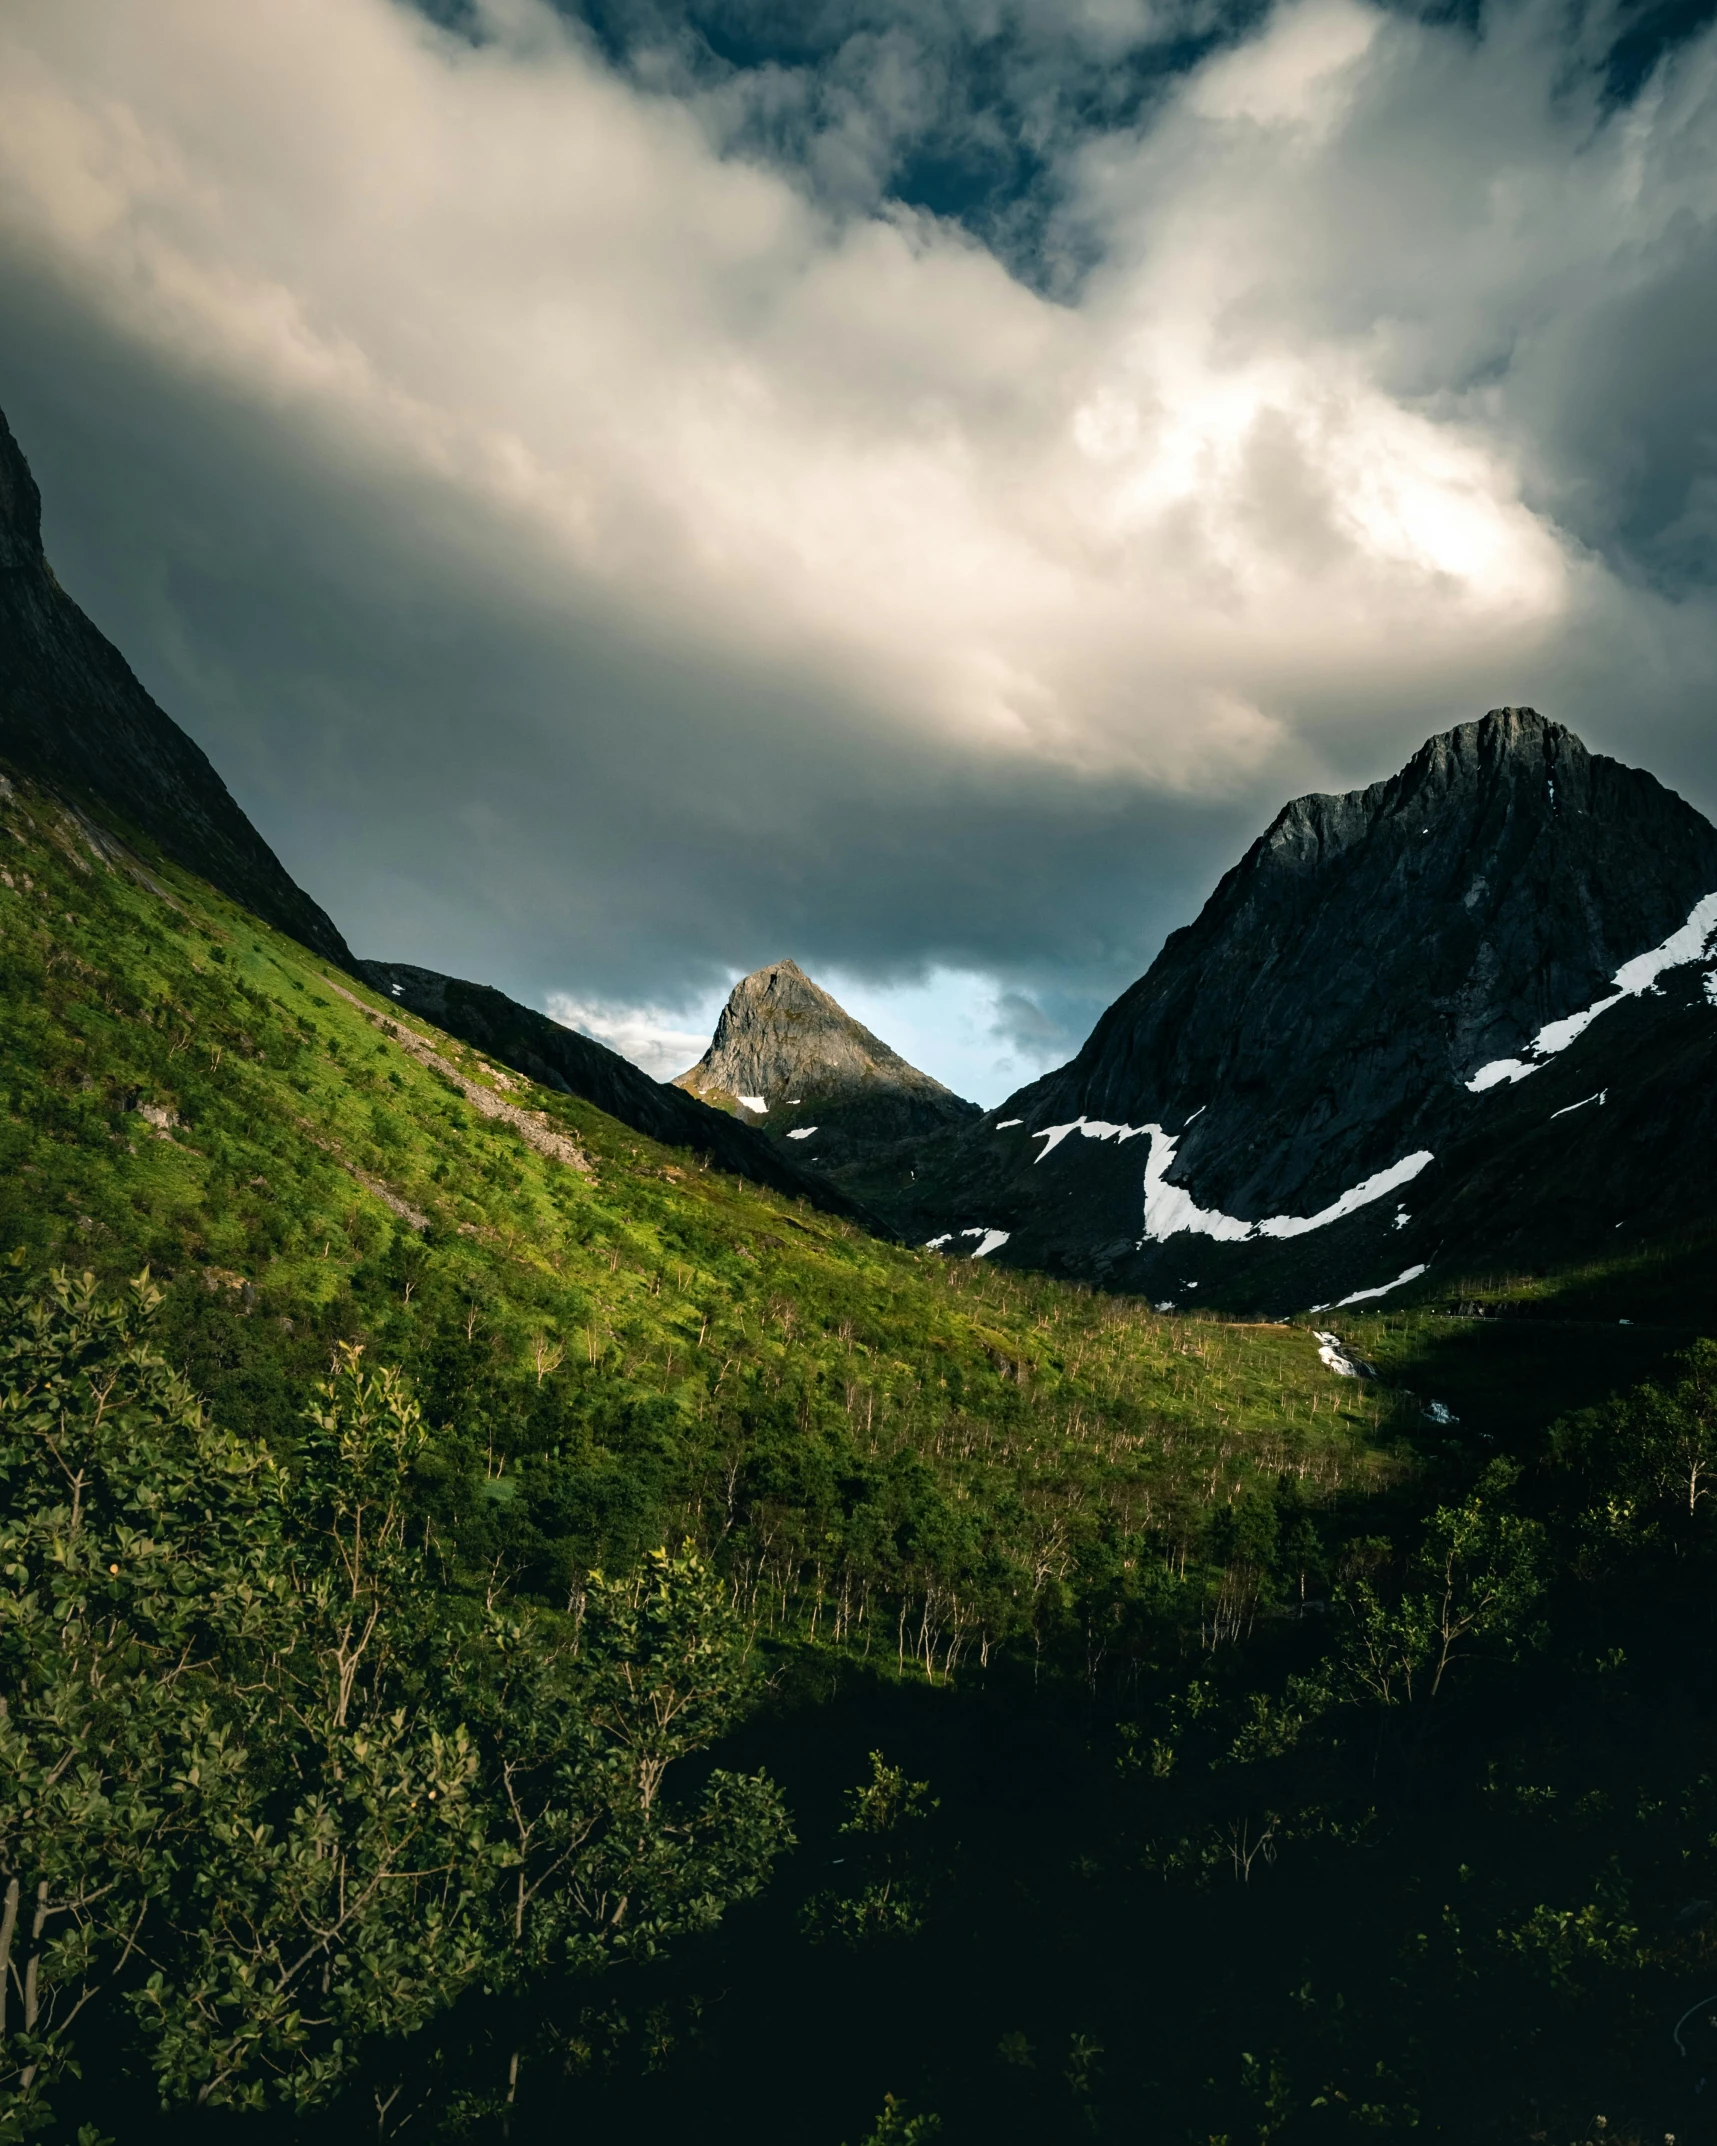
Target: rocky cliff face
x=1273, y=1112
x=796, y=1064
x=73, y=716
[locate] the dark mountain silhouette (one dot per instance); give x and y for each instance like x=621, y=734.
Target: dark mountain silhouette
x=1294, y=1102
x=73, y=716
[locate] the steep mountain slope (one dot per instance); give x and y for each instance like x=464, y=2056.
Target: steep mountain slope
x=619, y=1347
x=1375, y=1049
x=72, y=714
x=798, y=1065
x=561, y=1059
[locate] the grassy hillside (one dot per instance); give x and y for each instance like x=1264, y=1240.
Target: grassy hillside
x=617, y=1347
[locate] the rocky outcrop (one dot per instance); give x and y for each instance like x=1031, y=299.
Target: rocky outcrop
x=797, y=1065
x=73, y=716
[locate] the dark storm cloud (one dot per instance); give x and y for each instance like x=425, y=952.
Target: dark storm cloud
x=611, y=533
x=514, y=782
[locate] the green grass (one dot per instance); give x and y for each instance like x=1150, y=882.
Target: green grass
x=866, y=1435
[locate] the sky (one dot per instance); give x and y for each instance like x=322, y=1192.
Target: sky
x=629, y=493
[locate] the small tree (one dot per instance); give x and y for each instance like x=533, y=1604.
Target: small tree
x=1677, y=1429
x=887, y=1894
x=134, y=1549
x=579, y=1727
x=1478, y=1570
x=1642, y=1464
x=342, y=1895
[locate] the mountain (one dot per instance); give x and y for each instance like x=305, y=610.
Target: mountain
x=1350, y=1065
x=801, y=1068
x=572, y=1064
x=73, y=715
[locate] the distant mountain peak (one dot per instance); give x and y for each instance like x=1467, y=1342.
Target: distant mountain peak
x=790, y=1056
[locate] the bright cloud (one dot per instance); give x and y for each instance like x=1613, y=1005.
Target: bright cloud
x=892, y=538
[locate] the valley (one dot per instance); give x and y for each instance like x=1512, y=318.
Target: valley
x=1176, y=1607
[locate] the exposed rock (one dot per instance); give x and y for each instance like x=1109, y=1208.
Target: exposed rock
x=1317, y=1041
x=799, y=1066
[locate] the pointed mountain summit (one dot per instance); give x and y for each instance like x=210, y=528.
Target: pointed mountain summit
x=73, y=715
x=792, y=1060
x=1387, y=978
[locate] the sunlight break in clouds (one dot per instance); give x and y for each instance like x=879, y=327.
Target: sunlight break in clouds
x=1286, y=483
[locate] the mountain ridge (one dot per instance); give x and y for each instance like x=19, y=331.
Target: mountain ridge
x=573, y=1064
x=75, y=716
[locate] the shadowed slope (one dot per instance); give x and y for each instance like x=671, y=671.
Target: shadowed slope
x=72, y=713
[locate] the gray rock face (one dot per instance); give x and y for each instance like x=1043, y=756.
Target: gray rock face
x=1322, y=1018
x=73, y=716
x=784, y=1043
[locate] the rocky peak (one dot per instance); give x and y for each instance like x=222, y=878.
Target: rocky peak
x=1383, y=943
x=792, y=1059
x=1325, y=1018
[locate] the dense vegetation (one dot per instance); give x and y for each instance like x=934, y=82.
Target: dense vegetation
x=270, y=1788
x=1150, y=1732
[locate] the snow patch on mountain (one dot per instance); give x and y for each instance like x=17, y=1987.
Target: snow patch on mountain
x=1364, y=1296
x=1092, y=1128
x=1632, y=980
x=1171, y=1209
x=1600, y=1099
x=991, y=1240
x=1361, y=1195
